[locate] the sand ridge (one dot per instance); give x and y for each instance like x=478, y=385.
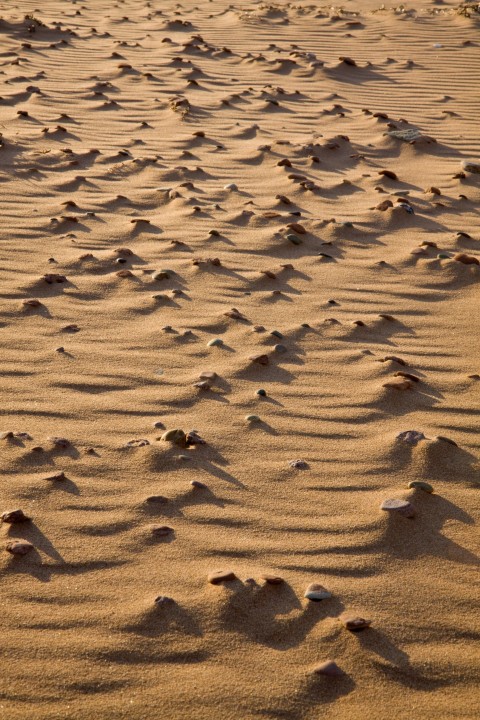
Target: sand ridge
x=256, y=225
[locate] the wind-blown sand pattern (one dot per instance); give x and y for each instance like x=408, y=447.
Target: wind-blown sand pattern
x=240, y=255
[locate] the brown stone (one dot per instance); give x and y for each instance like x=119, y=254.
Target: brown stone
x=218, y=576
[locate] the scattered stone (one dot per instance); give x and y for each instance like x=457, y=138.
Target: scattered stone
x=328, y=668
x=218, y=576
x=402, y=507
x=420, y=485
x=466, y=259
x=161, y=530
x=412, y=437
x=198, y=485
x=272, y=579
x=355, y=623
x=18, y=547
x=14, y=516
x=163, y=600
x=471, y=166
x=137, y=443
x=317, y=592
x=176, y=437
x=259, y=359
x=298, y=464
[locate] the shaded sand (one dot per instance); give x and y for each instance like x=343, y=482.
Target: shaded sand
x=177, y=174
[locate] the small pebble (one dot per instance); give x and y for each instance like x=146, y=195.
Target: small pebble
x=18, y=547
x=317, y=592
x=420, y=485
x=198, y=485
x=328, y=668
x=14, y=516
x=216, y=342
x=412, y=437
x=261, y=392
x=298, y=464
x=272, y=579
x=355, y=623
x=218, y=576
x=252, y=418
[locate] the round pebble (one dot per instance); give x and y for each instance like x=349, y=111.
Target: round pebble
x=261, y=392
x=280, y=348
x=216, y=342
x=176, y=437
x=252, y=418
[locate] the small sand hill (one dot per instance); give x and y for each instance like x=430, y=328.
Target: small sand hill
x=240, y=266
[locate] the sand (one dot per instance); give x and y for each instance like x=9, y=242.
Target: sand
x=177, y=174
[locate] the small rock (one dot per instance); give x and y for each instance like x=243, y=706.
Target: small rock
x=216, y=342
x=355, y=623
x=163, y=600
x=137, y=443
x=259, y=359
x=161, y=530
x=218, y=576
x=280, y=348
x=176, y=437
x=160, y=499
x=198, y=485
x=402, y=507
x=317, y=592
x=328, y=668
x=230, y=186
x=207, y=375
x=14, y=516
x=420, y=485
x=442, y=438
x=412, y=437
x=60, y=442
x=298, y=464
x=466, y=259
x=18, y=547
x=272, y=579
x=471, y=166
x=261, y=392
x=252, y=418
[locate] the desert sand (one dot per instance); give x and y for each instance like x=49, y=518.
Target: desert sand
x=240, y=251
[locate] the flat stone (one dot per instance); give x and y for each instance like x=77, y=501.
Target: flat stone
x=14, y=516
x=272, y=579
x=354, y=623
x=412, y=437
x=161, y=530
x=218, y=576
x=420, y=485
x=160, y=499
x=252, y=418
x=328, y=668
x=317, y=592
x=216, y=342
x=396, y=505
x=18, y=547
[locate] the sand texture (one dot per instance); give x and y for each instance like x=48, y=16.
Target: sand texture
x=239, y=323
